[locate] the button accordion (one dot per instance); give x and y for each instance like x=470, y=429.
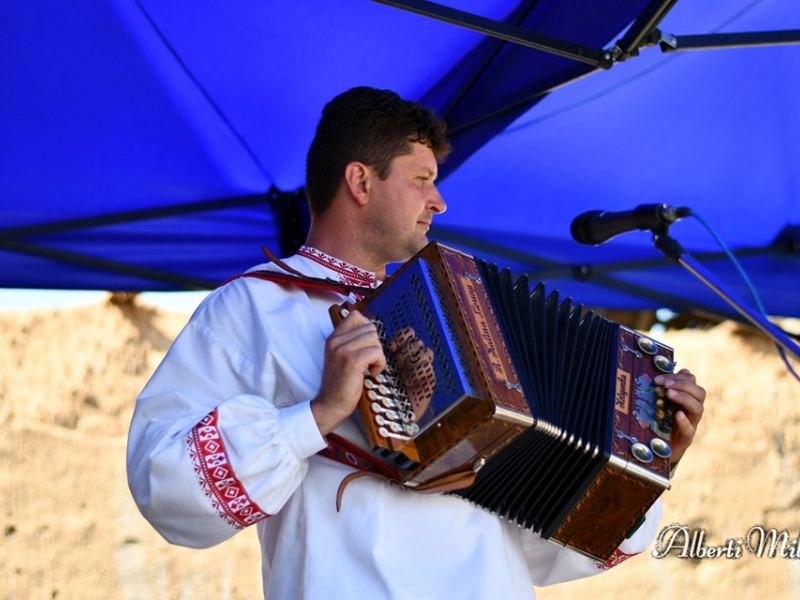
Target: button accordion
x=549, y=406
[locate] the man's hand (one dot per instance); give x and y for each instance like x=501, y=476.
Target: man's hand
x=352, y=349
x=688, y=398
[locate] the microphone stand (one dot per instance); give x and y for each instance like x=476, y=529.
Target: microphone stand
x=673, y=251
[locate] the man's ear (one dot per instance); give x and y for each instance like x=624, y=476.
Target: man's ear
x=357, y=178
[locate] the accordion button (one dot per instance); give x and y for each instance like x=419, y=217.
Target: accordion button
x=381, y=400
x=642, y=453
x=647, y=345
x=389, y=425
x=638, y=450
x=412, y=429
x=664, y=364
x=660, y=448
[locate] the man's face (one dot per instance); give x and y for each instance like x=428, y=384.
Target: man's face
x=402, y=206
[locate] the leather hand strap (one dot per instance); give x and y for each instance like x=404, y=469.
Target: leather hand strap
x=447, y=483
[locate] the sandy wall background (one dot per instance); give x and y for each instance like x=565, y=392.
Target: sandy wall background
x=69, y=529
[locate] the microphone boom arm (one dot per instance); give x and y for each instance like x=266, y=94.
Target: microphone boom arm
x=675, y=252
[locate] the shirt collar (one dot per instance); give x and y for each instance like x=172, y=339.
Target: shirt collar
x=347, y=273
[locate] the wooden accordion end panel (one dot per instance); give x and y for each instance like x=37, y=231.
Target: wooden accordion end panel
x=552, y=406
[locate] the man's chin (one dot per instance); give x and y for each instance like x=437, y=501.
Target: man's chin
x=411, y=250
x=421, y=243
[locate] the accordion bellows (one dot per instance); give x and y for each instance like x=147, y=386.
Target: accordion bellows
x=552, y=405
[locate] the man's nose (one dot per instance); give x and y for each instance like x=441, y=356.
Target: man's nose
x=436, y=203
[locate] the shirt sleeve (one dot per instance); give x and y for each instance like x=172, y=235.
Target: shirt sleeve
x=550, y=563
x=218, y=441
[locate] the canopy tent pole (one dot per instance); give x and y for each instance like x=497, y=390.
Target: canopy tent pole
x=543, y=269
x=289, y=208
x=550, y=269
x=714, y=41
x=638, y=34
x=505, y=31
x=146, y=214
x=643, y=33
x=184, y=282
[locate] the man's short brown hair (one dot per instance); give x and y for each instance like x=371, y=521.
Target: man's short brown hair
x=370, y=126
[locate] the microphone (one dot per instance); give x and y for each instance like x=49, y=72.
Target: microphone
x=597, y=226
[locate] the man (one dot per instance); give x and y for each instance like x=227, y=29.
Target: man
x=227, y=432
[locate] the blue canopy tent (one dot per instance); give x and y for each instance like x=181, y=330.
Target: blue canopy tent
x=158, y=146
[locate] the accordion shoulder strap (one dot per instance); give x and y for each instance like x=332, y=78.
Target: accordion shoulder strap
x=292, y=276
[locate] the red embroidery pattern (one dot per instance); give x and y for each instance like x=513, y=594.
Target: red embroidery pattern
x=215, y=475
x=350, y=274
x=618, y=557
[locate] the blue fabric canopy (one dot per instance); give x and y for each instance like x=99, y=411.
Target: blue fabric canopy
x=155, y=146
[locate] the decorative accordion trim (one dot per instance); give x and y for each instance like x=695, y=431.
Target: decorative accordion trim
x=342, y=451
x=215, y=475
x=351, y=275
